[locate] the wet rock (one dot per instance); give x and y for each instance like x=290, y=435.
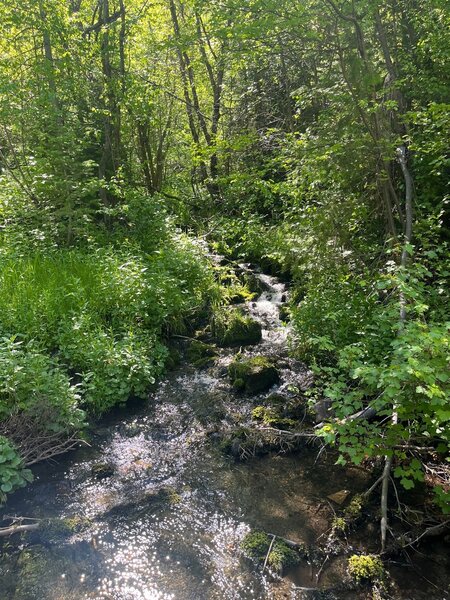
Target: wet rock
x=254, y=283
x=201, y=354
x=253, y=375
x=339, y=497
x=102, y=470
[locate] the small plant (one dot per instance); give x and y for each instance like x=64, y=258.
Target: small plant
x=365, y=567
x=339, y=525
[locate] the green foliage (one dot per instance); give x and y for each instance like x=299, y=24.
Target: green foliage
x=12, y=473
x=102, y=312
x=35, y=386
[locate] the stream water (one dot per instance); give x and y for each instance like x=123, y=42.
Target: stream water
x=167, y=521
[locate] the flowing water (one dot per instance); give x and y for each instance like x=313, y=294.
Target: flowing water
x=167, y=521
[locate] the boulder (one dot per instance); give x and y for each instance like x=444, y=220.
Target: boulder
x=253, y=375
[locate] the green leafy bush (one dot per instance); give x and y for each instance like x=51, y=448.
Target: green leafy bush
x=12, y=473
x=34, y=385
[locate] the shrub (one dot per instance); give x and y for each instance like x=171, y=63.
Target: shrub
x=34, y=386
x=12, y=473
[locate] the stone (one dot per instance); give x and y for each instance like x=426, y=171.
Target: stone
x=253, y=375
x=339, y=497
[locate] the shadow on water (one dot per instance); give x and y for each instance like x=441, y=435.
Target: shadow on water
x=166, y=519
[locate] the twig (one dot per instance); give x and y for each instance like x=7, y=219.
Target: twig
x=268, y=552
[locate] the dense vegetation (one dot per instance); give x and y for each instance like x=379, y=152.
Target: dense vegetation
x=308, y=137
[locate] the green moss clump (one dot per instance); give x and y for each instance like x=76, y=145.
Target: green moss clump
x=271, y=417
x=339, y=525
x=365, y=567
x=238, y=384
x=256, y=545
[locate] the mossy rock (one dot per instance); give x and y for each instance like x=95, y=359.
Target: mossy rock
x=40, y=571
x=201, y=354
x=256, y=545
x=253, y=283
x=240, y=294
x=234, y=329
x=254, y=375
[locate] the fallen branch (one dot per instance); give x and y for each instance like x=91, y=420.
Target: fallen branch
x=5, y=531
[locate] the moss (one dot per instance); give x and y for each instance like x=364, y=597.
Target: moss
x=257, y=374
x=256, y=545
x=365, y=567
x=201, y=354
x=33, y=564
x=233, y=328
x=271, y=417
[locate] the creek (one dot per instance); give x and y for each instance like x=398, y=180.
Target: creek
x=166, y=520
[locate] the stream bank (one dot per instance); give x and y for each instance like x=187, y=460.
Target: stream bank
x=154, y=509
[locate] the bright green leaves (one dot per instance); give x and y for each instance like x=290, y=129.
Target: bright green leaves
x=12, y=473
